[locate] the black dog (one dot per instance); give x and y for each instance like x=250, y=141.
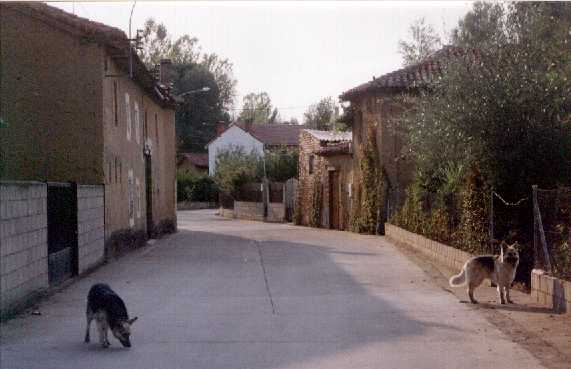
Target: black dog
x=109, y=310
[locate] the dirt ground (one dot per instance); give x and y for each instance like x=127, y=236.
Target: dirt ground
x=545, y=334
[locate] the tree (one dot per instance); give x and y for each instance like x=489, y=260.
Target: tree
x=192, y=70
x=423, y=41
x=257, y=108
x=323, y=115
x=502, y=112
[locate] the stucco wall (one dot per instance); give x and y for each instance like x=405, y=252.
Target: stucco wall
x=232, y=137
x=23, y=243
x=131, y=121
x=50, y=97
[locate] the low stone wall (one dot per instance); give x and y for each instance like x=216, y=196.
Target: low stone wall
x=195, y=205
x=249, y=210
x=437, y=251
x=23, y=243
x=226, y=213
x=552, y=292
x=276, y=212
x=90, y=226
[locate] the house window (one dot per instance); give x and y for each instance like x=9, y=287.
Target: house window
x=311, y=163
x=106, y=64
x=137, y=129
x=109, y=169
x=128, y=115
x=115, y=104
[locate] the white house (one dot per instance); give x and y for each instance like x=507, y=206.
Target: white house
x=252, y=138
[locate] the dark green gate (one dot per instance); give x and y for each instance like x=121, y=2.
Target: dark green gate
x=62, y=232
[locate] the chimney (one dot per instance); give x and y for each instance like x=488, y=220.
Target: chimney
x=165, y=72
x=220, y=127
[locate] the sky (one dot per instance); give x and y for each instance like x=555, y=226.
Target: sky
x=298, y=52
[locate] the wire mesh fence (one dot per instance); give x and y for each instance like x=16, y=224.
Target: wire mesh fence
x=552, y=230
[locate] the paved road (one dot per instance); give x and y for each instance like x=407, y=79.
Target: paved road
x=235, y=294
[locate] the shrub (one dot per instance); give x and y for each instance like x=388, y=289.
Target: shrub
x=195, y=186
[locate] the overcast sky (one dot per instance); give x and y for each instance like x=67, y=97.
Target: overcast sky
x=298, y=52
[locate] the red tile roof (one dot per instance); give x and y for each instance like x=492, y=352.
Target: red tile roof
x=110, y=36
x=414, y=75
x=274, y=134
x=340, y=148
x=197, y=159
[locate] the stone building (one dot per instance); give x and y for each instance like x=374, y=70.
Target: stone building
x=373, y=105
x=82, y=107
x=325, y=179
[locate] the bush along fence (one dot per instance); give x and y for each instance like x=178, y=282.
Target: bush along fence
x=541, y=223
x=265, y=201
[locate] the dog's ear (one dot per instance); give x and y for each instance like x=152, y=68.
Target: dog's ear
x=503, y=246
x=131, y=321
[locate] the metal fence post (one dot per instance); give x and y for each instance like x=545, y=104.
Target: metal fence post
x=491, y=220
x=537, y=220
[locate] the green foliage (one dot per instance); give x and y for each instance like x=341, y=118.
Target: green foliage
x=322, y=116
x=257, y=108
x=423, y=41
x=192, y=70
x=316, y=200
x=196, y=186
x=281, y=164
x=374, y=187
x=234, y=168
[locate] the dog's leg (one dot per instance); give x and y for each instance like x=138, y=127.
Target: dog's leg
x=471, y=293
x=89, y=316
x=501, y=299
x=102, y=328
x=508, y=299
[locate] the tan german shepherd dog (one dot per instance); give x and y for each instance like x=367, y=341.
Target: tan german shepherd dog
x=500, y=269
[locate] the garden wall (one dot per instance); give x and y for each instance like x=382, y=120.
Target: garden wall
x=552, y=292
x=23, y=243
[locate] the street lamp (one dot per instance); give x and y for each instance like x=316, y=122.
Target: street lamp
x=203, y=89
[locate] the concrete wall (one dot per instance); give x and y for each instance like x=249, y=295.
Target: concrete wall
x=232, y=137
x=437, y=251
x=552, y=292
x=276, y=212
x=91, y=226
x=249, y=210
x=50, y=97
x=195, y=205
x=23, y=242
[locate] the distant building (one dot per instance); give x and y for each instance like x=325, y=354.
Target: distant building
x=195, y=161
x=251, y=138
x=76, y=114
x=325, y=173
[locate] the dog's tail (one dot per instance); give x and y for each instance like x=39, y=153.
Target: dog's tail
x=458, y=279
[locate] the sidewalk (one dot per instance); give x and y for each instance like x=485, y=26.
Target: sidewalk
x=545, y=334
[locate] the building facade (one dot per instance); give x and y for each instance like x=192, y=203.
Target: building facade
x=81, y=107
x=325, y=179
x=374, y=105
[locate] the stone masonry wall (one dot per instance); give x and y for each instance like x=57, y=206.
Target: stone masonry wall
x=23, y=243
x=437, y=251
x=91, y=226
x=249, y=210
x=552, y=292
